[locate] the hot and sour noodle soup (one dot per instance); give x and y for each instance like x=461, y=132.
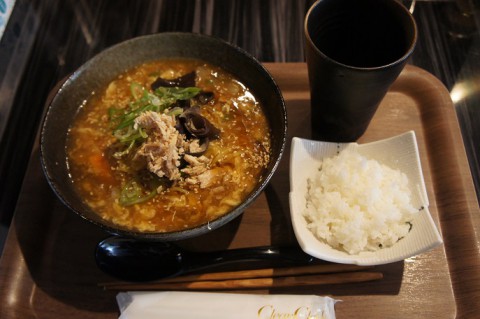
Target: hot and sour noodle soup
x=168, y=145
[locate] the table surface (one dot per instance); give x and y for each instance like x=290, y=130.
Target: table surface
x=48, y=268
x=45, y=40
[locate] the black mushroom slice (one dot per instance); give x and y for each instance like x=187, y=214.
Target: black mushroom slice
x=197, y=125
x=183, y=104
x=204, y=97
x=187, y=80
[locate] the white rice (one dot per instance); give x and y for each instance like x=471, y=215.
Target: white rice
x=356, y=204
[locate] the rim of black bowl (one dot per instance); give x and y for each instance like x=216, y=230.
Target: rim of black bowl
x=181, y=234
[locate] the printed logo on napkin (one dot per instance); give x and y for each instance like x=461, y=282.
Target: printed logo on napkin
x=270, y=312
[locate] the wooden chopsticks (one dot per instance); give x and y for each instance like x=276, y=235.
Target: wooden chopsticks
x=321, y=274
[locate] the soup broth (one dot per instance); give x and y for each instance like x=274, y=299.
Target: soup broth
x=168, y=145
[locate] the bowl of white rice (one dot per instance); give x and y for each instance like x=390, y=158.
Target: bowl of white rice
x=363, y=204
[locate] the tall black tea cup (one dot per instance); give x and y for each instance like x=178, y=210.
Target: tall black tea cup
x=355, y=49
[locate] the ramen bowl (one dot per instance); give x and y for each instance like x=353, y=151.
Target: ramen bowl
x=105, y=67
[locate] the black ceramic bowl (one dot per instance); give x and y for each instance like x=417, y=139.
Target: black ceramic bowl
x=105, y=66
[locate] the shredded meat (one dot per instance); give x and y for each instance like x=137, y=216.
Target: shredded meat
x=197, y=165
x=164, y=145
x=207, y=178
x=195, y=147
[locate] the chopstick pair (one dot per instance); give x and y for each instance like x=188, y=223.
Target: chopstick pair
x=321, y=274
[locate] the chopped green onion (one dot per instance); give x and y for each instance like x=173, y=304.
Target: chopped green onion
x=136, y=90
x=175, y=111
x=177, y=93
x=159, y=101
x=132, y=193
x=124, y=152
x=142, y=132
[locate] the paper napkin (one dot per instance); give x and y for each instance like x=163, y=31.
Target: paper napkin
x=199, y=305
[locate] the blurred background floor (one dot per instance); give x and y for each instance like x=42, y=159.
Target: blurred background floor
x=46, y=40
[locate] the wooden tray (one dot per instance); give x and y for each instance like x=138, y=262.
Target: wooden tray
x=48, y=270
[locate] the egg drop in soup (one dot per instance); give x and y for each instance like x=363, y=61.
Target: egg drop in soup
x=168, y=145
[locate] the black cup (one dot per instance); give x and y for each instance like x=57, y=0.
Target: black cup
x=355, y=49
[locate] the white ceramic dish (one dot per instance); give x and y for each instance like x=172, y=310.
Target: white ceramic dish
x=399, y=152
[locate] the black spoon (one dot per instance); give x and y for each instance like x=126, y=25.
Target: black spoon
x=133, y=260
